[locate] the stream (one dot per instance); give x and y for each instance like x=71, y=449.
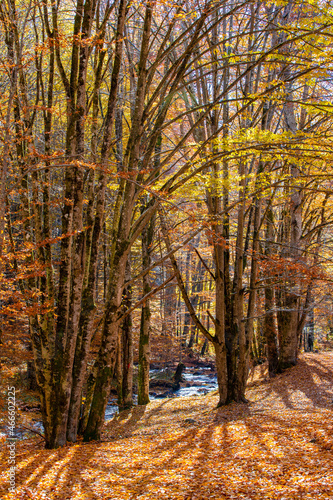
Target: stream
x=193, y=383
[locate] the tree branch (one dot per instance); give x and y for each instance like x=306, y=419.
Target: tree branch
x=181, y=284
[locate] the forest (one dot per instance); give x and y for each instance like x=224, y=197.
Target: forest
x=166, y=209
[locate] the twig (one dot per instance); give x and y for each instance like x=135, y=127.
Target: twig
x=204, y=264
x=32, y=430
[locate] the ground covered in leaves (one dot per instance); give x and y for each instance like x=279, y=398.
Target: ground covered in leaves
x=279, y=446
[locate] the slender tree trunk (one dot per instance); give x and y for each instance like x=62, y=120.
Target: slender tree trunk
x=126, y=352
x=219, y=338
x=270, y=333
x=145, y=327
x=237, y=301
x=187, y=317
x=197, y=288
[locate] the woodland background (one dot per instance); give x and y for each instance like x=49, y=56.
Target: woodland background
x=166, y=184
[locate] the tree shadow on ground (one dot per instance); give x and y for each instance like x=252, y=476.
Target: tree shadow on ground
x=306, y=378
x=252, y=451
x=53, y=473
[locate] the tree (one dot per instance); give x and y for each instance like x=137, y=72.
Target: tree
x=258, y=114
x=115, y=111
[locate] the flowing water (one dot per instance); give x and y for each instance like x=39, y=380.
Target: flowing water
x=198, y=384
x=195, y=384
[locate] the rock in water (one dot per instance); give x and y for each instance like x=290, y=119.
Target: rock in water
x=177, y=376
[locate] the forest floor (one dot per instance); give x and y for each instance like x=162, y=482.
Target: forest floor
x=278, y=446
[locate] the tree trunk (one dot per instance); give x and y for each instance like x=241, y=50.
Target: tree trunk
x=270, y=333
x=219, y=338
x=144, y=347
x=169, y=306
x=222, y=372
x=126, y=399
x=103, y=369
x=289, y=297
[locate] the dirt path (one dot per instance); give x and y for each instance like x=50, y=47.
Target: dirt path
x=279, y=446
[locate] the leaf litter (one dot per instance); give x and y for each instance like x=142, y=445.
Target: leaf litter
x=278, y=446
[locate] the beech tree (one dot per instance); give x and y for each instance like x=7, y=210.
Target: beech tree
x=115, y=116
x=271, y=115
x=81, y=160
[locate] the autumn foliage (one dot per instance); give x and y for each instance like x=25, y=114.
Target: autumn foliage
x=279, y=446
